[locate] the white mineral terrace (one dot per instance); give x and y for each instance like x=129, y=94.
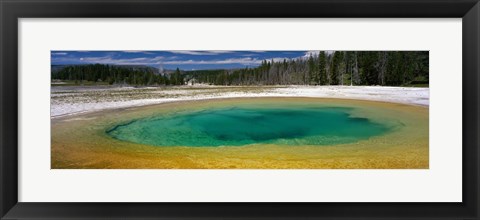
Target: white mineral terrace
x=68, y=100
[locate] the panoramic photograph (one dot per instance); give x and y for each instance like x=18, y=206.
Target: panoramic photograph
x=249, y=109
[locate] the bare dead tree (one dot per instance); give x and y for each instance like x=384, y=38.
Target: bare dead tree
x=356, y=76
x=382, y=67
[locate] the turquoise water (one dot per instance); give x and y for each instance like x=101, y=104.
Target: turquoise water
x=249, y=125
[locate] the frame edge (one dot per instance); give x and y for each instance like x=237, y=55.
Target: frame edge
x=9, y=107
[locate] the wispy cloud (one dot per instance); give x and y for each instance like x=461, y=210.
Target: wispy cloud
x=125, y=61
x=110, y=60
x=137, y=51
x=311, y=53
x=248, y=55
x=243, y=61
x=210, y=52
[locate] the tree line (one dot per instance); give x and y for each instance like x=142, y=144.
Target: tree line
x=113, y=74
x=387, y=68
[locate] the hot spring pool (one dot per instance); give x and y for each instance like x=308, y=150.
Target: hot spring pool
x=241, y=125
x=246, y=133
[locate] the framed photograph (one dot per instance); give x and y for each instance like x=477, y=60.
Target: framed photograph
x=227, y=109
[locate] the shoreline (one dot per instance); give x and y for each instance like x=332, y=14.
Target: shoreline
x=75, y=100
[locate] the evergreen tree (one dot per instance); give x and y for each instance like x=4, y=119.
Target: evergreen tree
x=322, y=66
x=312, y=71
x=335, y=68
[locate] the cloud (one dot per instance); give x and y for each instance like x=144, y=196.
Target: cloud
x=316, y=52
x=311, y=53
x=243, y=61
x=209, y=52
x=110, y=60
x=125, y=61
x=281, y=59
x=249, y=55
x=137, y=51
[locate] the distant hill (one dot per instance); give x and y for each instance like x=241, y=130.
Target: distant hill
x=56, y=68
x=141, y=68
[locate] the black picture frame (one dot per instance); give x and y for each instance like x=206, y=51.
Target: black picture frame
x=12, y=10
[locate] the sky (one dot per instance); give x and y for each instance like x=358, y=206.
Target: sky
x=184, y=60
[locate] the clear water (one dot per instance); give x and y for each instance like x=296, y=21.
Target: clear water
x=243, y=126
